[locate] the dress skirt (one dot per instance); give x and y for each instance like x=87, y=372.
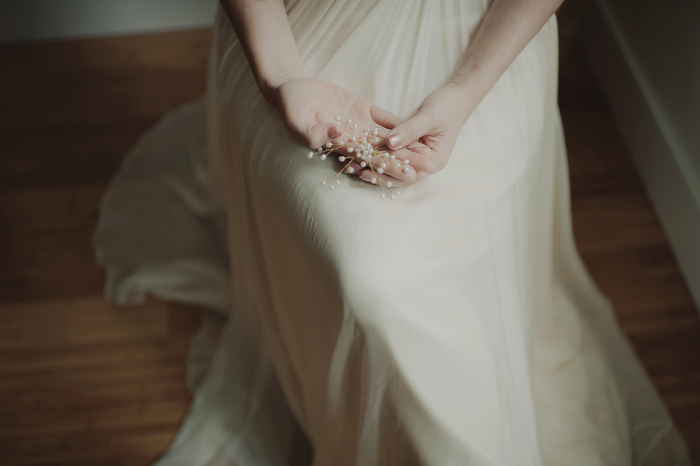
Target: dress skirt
x=454, y=325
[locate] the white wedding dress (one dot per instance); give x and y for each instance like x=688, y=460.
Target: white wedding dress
x=455, y=325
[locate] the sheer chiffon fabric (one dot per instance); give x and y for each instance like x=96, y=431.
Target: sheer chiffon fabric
x=455, y=325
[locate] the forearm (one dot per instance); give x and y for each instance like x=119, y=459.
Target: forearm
x=263, y=30
x=508, y=27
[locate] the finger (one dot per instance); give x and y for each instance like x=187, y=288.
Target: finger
x=392, y=168
x=358, y=164
x=352, y=168
x=377, y=137
x=385, y=180
x=384, y=117
x=416, y=158
x=318, y=134
x=350, y=164
x=375, y=134
x=397, y=173
x=410, y=131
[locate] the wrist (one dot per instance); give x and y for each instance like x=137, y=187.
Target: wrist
x=462, y=99
x=475, y=83
x=472, y=83
x=269, y=84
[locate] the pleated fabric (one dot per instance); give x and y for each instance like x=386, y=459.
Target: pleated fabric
x=455, y=325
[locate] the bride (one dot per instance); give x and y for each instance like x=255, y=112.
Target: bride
x=415, y=298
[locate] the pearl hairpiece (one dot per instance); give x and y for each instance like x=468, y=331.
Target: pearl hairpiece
x=363, y=152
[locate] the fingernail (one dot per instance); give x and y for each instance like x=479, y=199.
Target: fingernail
x=395, y=140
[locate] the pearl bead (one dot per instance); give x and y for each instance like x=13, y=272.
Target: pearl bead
x=388, y=184
x=398, y=193
x=405, y=169
x=323, y=183
x=323, y=157
x=363, y=164
x=332, y=187
x=349, y=121
x=353, y=139
x=374, y=180
x=341, y=158
x=337, y=181
x=393, y=197
x=320, y=149
x=310, y=155
x=337, y=117
x=355, y=126
x=376, y=131
x=382, y=195
x=383, y=165
x=406, y=162
x=393, y=157
x=340, y=143
x=350, y=170
x=380, y=170
x=337, y=123
x=350, y=149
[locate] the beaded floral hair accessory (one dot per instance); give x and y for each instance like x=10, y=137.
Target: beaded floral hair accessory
x=363, y=152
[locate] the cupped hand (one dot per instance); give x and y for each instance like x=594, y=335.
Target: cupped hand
x=433, y=130
x=309, y=108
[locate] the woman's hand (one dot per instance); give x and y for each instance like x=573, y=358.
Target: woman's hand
x=437, y=123
x=309, y=108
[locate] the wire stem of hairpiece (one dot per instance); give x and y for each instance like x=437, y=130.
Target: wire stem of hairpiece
x=366, y=152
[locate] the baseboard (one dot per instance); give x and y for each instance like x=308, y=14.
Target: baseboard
x=29, y=20
x=670, y=179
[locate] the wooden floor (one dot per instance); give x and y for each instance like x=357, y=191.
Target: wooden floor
x=83, y=382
